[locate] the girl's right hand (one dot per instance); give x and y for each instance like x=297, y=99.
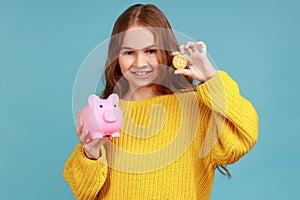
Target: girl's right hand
x=200, y=66
x=91, y=146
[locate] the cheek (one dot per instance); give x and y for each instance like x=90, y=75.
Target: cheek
x=124, y=64
x=154, y=59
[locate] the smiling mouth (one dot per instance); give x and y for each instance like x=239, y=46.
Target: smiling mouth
x=141, y=73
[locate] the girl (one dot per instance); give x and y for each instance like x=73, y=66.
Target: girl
x=174, y=134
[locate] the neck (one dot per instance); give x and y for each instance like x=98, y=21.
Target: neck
x=140, y=93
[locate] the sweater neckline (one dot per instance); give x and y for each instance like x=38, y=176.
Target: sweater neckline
x=151, y=100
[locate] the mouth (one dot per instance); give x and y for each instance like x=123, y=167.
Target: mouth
x=141, y=73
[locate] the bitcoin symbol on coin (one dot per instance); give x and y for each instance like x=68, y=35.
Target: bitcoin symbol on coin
x=179, y=61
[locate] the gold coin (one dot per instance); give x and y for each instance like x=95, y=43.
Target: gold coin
x=179, y=61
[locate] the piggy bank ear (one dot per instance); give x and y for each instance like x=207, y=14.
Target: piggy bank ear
x=114, y=98
x=93, y=99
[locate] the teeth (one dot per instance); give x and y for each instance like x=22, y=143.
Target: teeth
x=141, y=73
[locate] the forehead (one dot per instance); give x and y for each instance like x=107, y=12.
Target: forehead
x=138, y=38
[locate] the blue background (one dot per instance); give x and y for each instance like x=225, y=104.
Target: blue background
x=43, y=43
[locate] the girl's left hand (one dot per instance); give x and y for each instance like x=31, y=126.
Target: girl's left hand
x=200, y=67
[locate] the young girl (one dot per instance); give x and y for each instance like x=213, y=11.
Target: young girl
x=174, y=134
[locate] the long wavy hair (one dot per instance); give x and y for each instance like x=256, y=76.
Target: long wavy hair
x=151, y=17
x=148, y=16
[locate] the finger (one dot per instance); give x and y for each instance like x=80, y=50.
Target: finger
x=184, y=72
x=202, y=46
x=95, y=142
x=181, y=49
x=77, y=118
x=190, y=45
x=194, y=47
x=78, y=130
x=189, y=60
x=191, y=48
x=187, y=45
x=175, y=53
x=78, y=123
x=83, y=137
x=88, y=138
x=92, y=149
x=190, y=51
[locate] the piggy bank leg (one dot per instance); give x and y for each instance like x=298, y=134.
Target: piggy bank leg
x=95, y=135
x=116, y=134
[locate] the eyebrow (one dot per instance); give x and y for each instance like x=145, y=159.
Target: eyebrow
x=147, y=47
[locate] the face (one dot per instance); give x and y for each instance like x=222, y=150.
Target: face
x=138, y=57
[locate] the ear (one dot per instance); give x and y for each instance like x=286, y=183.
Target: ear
x=92, y=99
x=113, y=98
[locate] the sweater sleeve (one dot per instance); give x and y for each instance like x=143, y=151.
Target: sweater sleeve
x=233, y=124
x=85, y=176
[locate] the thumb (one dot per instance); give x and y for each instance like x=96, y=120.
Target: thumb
x=184, y=72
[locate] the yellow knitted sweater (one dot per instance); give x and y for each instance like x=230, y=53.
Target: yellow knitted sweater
x=169, y=145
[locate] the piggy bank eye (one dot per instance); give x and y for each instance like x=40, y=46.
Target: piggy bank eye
x=115, y=105
x=101, y=106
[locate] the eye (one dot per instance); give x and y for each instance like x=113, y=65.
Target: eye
x=115, y=105
x=101, y=106
x=151, y=51
x=128, y=53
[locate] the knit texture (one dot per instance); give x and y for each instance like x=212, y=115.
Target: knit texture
x=169, y=145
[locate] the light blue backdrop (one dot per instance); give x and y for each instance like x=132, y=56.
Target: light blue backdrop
x=43, y=43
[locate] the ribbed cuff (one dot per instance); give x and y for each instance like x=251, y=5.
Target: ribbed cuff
x=87, y=176
x=235, y=121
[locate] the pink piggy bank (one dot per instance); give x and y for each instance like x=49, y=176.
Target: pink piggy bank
x=102, y=117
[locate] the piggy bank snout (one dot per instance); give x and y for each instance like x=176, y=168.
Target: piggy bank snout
x=109, y=116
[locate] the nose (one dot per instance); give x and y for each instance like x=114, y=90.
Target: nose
x=141, y=60
x=109, y=116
